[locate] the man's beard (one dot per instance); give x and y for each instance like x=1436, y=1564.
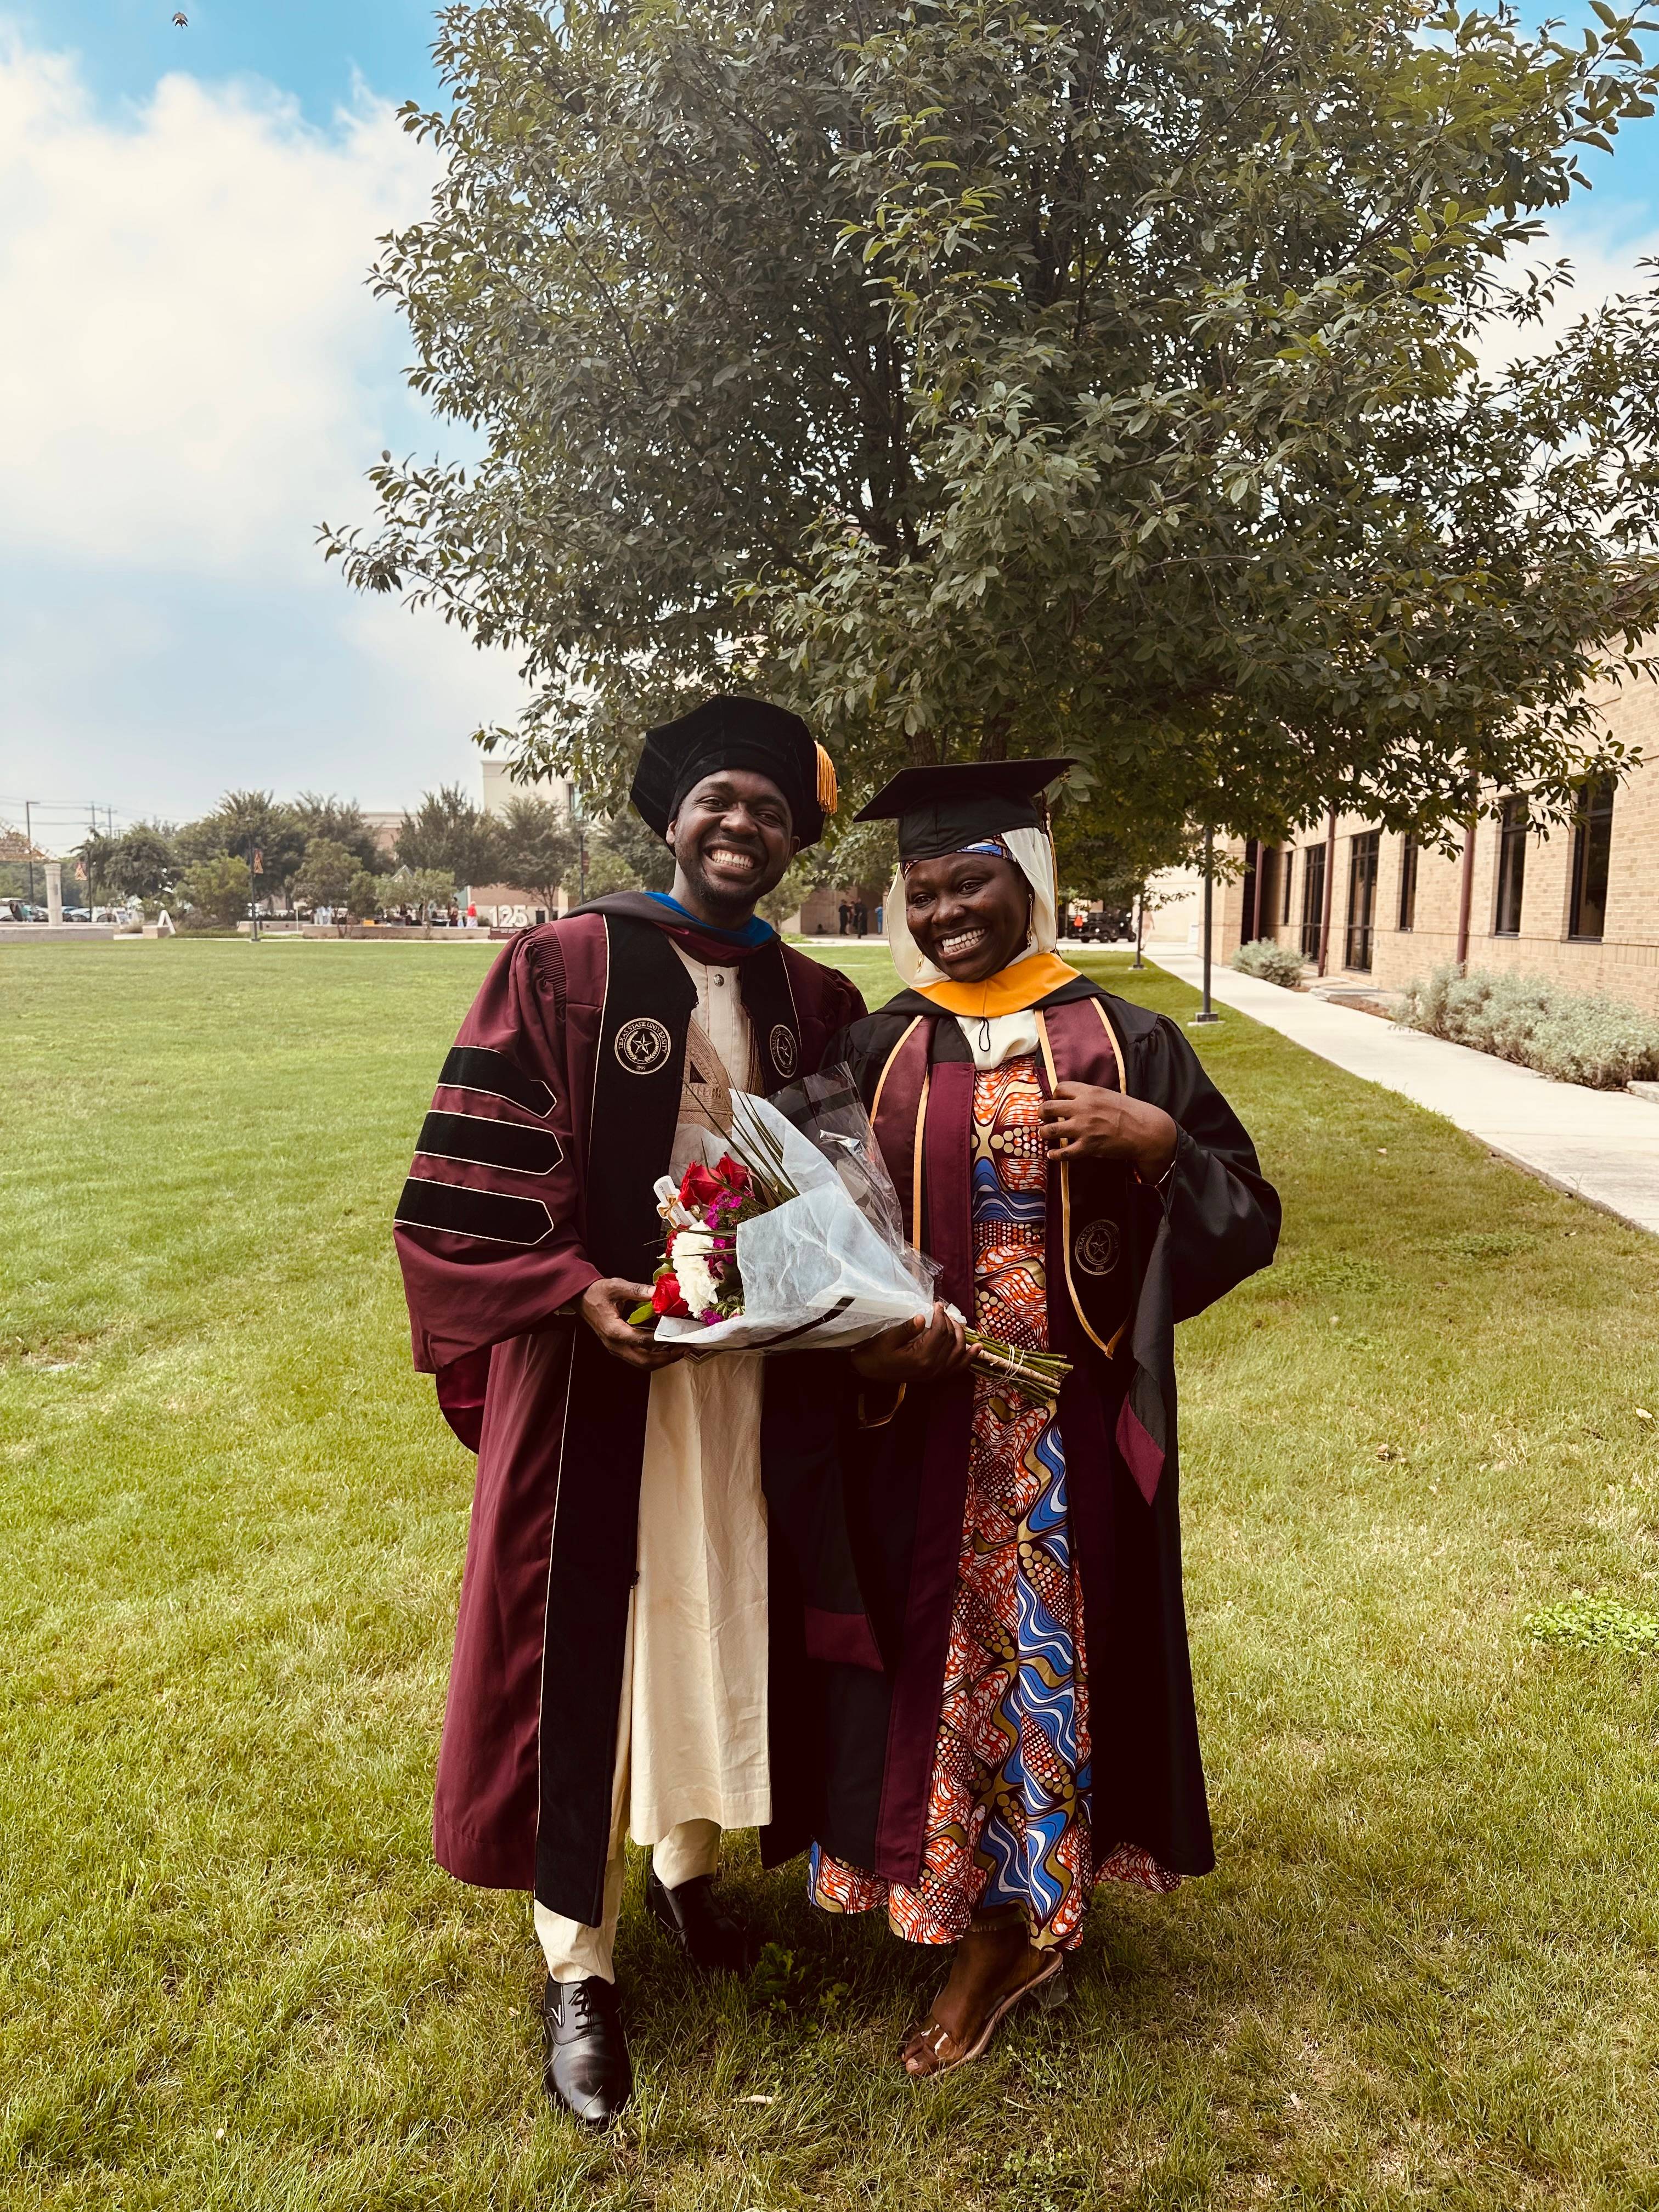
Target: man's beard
x=722, y=898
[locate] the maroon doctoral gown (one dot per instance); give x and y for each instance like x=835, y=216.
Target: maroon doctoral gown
x=877, y=1512
x=555, y=1114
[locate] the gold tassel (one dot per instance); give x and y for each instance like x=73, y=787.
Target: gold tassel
x=828, y=791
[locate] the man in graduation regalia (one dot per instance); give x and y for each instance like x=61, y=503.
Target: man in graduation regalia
x=620, y=1666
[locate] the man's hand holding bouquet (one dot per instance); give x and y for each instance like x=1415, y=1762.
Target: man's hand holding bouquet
x=786, y=1230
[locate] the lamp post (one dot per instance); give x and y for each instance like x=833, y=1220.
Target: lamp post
x=1207, y=1012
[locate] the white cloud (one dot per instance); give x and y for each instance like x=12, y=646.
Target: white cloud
x=1605, y=261
x=193, y=373
x=194, y=361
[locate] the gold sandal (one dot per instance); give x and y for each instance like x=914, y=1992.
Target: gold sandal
x=941, y=2044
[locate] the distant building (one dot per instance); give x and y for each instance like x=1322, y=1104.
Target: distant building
x=499, y=790
x=1579, y=905
x=500, y=906
x=384, y=823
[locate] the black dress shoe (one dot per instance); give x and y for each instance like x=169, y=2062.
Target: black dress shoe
x=586, y=2067
x=692, y=1917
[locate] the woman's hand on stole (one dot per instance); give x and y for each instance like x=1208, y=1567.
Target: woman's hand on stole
x=605, y=1306
x=1082, y=1121
x=928, y=1349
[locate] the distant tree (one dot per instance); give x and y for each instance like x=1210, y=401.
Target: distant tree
x=244, y=820
x=424, y=889
x=861, y=857
x=340, y=819
x=1100, y=855
x=323, y=877
x=606, y=869
x=790, y=892
x=215, y=890
x=636, y=848
x=538, y=850
x=92, y=853
x=143, y=862
x=446, y=831
x=367, y=894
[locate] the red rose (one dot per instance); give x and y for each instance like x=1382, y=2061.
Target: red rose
x=733, y=1173
x=699, y=1187
x=665, y=1298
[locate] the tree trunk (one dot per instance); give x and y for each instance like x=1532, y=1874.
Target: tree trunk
x=993, y=741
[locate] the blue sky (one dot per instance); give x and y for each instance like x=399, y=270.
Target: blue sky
x=190, y=216
x=316, y=50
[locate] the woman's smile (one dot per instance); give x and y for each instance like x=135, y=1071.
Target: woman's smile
x=969, y=912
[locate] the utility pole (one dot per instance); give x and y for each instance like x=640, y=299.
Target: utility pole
x=1207, y=1013
x=1140, y=921
x=256, y=863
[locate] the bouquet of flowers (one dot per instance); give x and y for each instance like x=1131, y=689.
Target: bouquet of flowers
x=786, y=1230
x=697, y=1278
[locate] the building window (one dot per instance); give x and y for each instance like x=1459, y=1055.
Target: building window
x=1252, y=890
x=1592, y=843
x=1313, y=899
x=1408, y=881
x=1512, y=865
x=1287, y=867
x=1362, y=899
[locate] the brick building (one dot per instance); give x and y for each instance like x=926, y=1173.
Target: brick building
x=1578, y=905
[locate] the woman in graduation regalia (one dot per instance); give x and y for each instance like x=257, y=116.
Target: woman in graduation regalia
x=1006, y=1699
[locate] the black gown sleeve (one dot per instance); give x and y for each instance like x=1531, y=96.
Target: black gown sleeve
x=1223, y=1214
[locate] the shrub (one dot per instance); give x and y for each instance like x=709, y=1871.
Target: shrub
x=1274, y=963
x=1566, y=1035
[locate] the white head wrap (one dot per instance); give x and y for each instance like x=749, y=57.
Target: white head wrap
x=1033, y=853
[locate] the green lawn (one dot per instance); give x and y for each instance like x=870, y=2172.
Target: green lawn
x=1425, y=1974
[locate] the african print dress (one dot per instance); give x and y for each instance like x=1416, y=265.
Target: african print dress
x=1008, y=1810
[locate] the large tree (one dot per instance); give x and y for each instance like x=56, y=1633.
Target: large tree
x=342, y=821
x=325, y=877
x=539, y=849
x=447, y=833
x=141, y=863
x=986, y=379
x=244, y=822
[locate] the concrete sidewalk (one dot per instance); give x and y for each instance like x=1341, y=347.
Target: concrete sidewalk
x=1599, y=1146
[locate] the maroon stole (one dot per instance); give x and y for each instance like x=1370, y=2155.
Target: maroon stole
x=923, y=1117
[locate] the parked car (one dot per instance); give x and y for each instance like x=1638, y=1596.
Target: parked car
x=78, y=914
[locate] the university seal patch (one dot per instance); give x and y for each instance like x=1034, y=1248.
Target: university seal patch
x=784, y=1055
x=1095, y=1248
x=642, y=1045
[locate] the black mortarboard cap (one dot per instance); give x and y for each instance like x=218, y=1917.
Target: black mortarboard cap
x=941, y=810
x=730, y=731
